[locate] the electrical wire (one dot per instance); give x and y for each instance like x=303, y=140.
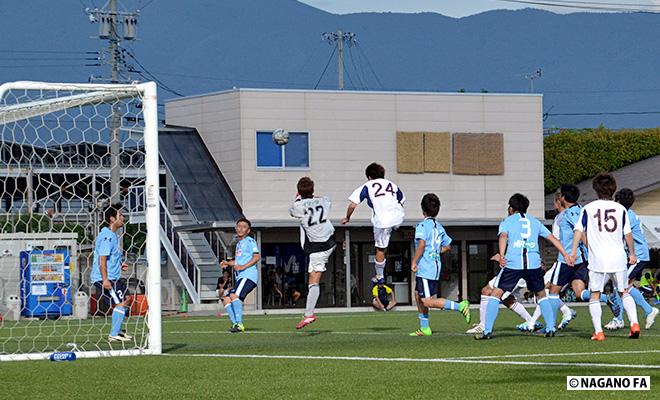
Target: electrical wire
x=549, y=3
x=359, y=47
x=326, y=66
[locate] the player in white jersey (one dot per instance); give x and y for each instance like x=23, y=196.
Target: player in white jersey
x=386, y=202
x=605, y=225
x=318, y=240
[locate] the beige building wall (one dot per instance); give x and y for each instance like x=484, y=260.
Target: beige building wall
x=648, y=203
x=349, y=130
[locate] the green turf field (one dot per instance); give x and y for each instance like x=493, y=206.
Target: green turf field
x=360, y=355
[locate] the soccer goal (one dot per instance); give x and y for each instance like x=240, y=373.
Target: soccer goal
x=68, y=151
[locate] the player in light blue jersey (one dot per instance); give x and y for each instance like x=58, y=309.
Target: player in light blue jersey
x=245, y=261
x=520, y=258
x=431, y=241
x=626, y=198
x=564, y=274
x=106, y=272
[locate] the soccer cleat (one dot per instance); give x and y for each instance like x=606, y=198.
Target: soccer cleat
x=634, y=331
x=614, y=324
x=524, y=327
x=464, y=308
x=483, y=336
x=566, y=320
x=237, y=328
x=476, y=328
x=612, y=304
x=422, y=332
x=118, y=338
x=305, y=321
x=598, y=336
x=125, y=335
x=650, y=319
x=550, y=333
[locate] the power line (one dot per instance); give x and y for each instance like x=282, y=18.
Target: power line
x=326, y=67
x=602, y=113
x=357, y=73
x=158, y=81
x=47, y=52
x=369, y=65
x=549, y=3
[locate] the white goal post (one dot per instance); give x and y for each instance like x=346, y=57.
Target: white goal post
x=67, y=151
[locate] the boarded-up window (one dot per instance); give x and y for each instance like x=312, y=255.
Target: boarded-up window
x=410, y=152
x=491, y=154
x=437, y=151
x=478, y=154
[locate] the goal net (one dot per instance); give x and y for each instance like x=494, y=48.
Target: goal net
x=68, y=151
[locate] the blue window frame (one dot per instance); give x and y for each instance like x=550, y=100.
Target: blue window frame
x=294, y=154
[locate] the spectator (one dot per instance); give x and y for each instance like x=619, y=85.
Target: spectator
x=383, y=296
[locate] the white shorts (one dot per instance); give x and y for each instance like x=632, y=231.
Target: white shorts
x=598, y=280
x=318, y=260
x=382, y=237
x=521, y=284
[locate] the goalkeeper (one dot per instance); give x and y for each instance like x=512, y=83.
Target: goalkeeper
x=106, y=271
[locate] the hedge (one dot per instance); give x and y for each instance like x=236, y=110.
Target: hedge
x=575, y=155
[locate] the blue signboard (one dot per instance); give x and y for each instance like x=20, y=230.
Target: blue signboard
x=45, y=283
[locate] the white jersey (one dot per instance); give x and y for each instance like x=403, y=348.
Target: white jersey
x=605, y=223
x=385, y=199
x=314, y=216
x=555, y=224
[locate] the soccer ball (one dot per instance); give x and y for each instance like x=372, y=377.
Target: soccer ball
x=280, y=137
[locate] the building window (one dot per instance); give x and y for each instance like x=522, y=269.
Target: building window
x=294, y=154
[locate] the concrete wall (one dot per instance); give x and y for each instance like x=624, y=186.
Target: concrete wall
x=349, y=130
x=648, y=203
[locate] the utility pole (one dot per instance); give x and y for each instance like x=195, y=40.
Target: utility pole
x=109, y=21
x=531, y=76
x=337, y=38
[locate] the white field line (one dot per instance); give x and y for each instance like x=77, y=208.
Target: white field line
x=419, y=360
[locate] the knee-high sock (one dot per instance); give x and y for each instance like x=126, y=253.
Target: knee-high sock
x=617, y=301
x=450, y=305
x=631, y=309
x=554, y=303
x=482, y=309
x=312, y=297
x=238, y=310
x=423, y=320
x=537, y=314
x=492, y=309
x=230, y=312
x=380, y=269
x=521, y=311
x=640, y=300
x=118, y=315
x=565, y=310
x=586, y=296
x=596, y=314
x=548, y=314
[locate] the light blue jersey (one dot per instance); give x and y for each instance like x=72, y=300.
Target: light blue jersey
x=566, y=233
x=522, y=250
x=107, y=244
x=434, y=237
x=641, y=247
x=245, y=249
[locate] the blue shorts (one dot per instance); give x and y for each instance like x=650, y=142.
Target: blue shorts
x=113, y=296
x=243, y=287
x=635, y=271
x=565, y=274
x=426, y=287
x=508, y=279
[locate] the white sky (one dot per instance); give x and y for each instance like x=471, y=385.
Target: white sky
x=452, y=8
